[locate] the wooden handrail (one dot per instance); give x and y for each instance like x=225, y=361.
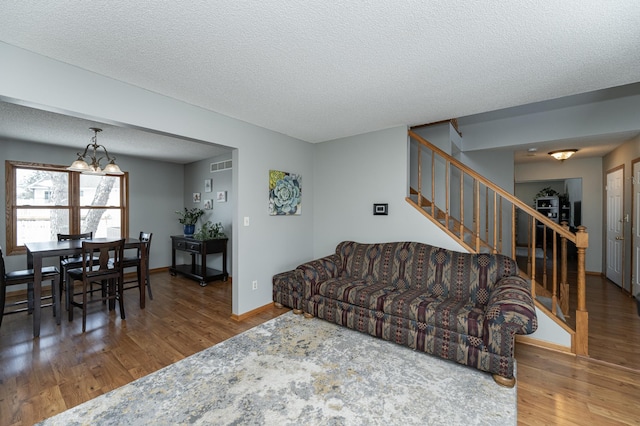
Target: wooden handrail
x=486, y=232
x=504, y=194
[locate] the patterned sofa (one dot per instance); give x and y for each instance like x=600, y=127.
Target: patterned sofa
x=459, y=306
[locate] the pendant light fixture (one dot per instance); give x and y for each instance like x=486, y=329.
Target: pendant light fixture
x=91, y=153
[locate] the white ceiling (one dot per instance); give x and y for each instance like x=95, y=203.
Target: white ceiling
x=322, y=70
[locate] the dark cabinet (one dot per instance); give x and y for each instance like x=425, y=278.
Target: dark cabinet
x=199, y=249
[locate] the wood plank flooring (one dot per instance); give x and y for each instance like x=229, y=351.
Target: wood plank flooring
x=64, y=367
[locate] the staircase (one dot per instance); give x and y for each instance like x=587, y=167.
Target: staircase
x=484, y=218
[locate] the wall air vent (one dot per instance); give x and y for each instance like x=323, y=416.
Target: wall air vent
x=220, y=166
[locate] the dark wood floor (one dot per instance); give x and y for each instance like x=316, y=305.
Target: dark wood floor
x=64, y=367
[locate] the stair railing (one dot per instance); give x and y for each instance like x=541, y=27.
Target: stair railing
x=483, y=217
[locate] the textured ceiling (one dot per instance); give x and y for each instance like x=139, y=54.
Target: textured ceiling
x=321, y=70
x=21, y=123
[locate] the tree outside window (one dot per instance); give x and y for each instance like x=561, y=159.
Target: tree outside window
x=44, y=200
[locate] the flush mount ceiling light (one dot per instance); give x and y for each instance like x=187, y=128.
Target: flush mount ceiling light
x=563, y=154
x=80, y=165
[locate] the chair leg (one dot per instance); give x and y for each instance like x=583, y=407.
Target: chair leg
x=61, y=281
x=69, y=297
x=84, y=306
x=113, y=291
x=121, y=296
x=104, y=291
x=3, y=295
x=149, y=285
x=144, y=284
x=55, y=298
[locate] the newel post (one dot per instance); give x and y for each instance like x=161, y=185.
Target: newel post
x=582, y=316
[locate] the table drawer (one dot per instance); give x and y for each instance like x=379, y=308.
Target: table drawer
x=192, y=246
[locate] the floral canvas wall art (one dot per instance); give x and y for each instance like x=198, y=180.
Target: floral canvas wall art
x=285, y=193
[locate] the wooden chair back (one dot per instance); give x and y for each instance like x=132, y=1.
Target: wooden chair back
x=109, y=264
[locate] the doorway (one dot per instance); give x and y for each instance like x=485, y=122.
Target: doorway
x=615, y=247
x=569, y=190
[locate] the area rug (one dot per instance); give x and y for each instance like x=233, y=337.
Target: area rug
x=293, y=370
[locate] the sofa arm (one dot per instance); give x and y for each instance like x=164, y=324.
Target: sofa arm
x=317, y=271
x=510, y=311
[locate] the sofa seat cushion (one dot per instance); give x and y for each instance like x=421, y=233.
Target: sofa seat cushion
x=355, y=292
x=460, y=316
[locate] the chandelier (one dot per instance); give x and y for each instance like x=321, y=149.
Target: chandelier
x=563, y=154
x=91, y=153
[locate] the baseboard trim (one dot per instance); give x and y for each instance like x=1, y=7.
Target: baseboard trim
x=609, y=364
x=526, y=340
x=151, y=271
x=249, y=314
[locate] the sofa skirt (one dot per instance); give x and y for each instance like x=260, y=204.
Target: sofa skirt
x=446, y=344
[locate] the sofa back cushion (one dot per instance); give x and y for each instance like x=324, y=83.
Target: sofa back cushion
x=440, y=272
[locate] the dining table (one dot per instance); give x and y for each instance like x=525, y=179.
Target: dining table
x=36, y=251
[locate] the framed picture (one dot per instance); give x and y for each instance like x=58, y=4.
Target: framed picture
x=207, y=185
x=208, y=204
x=196, y=197
x=285, y=193
x=221, y=196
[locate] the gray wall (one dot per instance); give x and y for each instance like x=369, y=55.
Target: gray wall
x=341, y=179
x=270, y=245
x=597, y=113
x=155, y=192
x=194, y=177
x=623, y=155
x=352, y=174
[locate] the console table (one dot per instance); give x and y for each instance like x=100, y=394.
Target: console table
x=201, y=249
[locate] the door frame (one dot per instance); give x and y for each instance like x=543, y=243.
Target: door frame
x=635, y=228
x=616, y=169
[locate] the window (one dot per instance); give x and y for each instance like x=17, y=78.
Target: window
x=44, y=200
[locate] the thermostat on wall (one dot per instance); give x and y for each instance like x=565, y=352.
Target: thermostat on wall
x=381, y=209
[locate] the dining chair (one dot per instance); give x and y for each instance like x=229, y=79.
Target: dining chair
x=26, y=276
x=71, y=262
x=107, y=272
x=135, y=262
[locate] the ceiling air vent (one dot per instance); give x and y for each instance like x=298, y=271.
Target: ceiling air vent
x=220, y=166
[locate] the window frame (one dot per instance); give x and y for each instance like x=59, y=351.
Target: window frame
x=74, y=207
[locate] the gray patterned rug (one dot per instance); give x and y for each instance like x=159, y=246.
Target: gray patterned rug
x=292, y=371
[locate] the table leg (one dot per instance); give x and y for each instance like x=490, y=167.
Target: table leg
x=36, y=262
x=225, y=276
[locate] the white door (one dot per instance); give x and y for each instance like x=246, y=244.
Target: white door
x=615, y=181
x=635, y=226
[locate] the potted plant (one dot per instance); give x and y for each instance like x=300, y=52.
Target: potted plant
x=210, y=231
x=188, y=218
x=546, y=192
